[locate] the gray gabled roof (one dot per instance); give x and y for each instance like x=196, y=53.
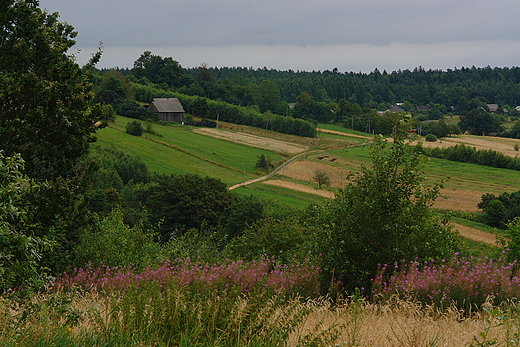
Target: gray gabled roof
x=167, y=105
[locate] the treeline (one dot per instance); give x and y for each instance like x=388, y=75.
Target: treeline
x=226, y=112
x=350, y=99
x=451, y=89
x=467, y=154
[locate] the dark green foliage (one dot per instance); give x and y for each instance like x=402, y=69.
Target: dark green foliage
x=48, y=117
x=502, y=209
x=463, y=89
x=513, y=227
x=439, y=128
x=182, y=202
x=479, y=122
x=431, y=138
x=116, y=244
x=131, y=109
x=282, y=238
x=115, y=171
x=382, y=216
x=20, y=249
x=111, y=91
x=44, y=94
x=134, y=128
x=239, y=215
x=161, y=70
x=266, y=96
x=264, y=163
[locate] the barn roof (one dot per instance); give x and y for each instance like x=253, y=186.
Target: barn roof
x=167, y=105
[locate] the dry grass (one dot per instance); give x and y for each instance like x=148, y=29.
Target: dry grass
x=398, y=323
x=459, y=200
x=401, y=324
x=301, y=188
x=279, y=146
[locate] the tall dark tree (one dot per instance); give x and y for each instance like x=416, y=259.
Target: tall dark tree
x=46, y=117
x=161, y=70
x=479, y=121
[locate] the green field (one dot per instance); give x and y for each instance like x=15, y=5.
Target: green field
x=455, y=175
x=180, y=151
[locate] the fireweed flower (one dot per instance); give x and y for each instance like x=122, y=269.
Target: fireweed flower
x=244, y=276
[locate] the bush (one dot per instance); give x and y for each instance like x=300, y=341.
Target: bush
x=134, y=128
x=431, y=138
x=383, y=215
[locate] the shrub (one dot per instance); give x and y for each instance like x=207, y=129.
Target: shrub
x=134, y=128
x=381, y=216
x=431, y=138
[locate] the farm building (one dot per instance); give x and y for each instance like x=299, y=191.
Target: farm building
x=168, y=109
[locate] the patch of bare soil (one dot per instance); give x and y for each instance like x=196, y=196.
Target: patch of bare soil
x=475, y=234
x=305, y=170
x=300, y=188
x=253, y=140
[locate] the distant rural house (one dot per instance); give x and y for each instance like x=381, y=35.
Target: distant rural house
x=168, y=109
x=396, y=108
x=493, y=108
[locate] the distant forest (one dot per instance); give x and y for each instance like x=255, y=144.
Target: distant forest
x=452, y=89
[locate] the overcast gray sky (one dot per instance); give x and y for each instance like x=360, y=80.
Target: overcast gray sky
x=351, y=35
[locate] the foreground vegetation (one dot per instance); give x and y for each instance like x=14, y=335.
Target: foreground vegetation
x=100, y=247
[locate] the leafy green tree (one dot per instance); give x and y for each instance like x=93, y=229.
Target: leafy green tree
x=111, y=90
x=161, y=70
x=181, y=202
x=20, y=249
x=267, y=96
x=134, y=128
x=281, y=238
x=479, y=121
x=48, y=117
x=44, y=95
x=116, y=244
x=264, y=163
x=239, y=215
x=383, y=215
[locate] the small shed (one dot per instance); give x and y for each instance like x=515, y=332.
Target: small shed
x=168, y=109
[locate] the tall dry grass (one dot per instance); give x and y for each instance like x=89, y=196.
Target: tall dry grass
x=94, y=319
x=403, y=323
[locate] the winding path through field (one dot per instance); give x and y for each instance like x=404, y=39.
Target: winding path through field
x=272, y=172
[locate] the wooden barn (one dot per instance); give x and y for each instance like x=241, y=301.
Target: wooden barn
x=168, y=109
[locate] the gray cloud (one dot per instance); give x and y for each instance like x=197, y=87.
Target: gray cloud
x=427, y=29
